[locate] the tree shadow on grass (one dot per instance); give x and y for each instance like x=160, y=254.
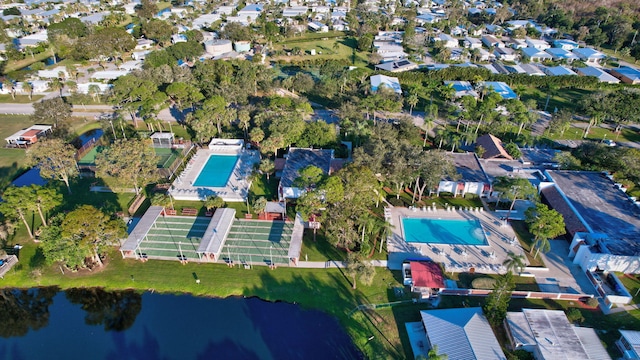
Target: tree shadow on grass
x=37, y=260
x=82, y=195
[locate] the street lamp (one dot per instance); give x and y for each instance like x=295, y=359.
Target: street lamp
x=271, y=256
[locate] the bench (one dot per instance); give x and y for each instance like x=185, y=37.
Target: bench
x=170, y=212
x=189, y=211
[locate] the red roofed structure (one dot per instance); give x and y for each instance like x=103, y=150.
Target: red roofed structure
x=426, y=278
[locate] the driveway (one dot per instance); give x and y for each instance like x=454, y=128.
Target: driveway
x=562, y=275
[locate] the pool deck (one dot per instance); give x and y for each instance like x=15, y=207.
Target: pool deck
x=236, y=189
x=456, y=258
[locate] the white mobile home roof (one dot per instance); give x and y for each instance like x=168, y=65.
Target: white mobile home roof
x=109, y=75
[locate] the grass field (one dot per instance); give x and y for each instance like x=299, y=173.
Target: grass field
x=17, y=65
x=19, y=99
x=597, y=134
x=325, y=49
x=561, y=99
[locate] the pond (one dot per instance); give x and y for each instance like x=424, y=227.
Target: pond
x=93, y=323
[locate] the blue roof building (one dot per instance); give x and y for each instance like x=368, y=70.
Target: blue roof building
x=602, y=75
x=627, y=74
x=561, y=54
x=558, y=71
x=589, y=55
x=565, y=44
x=378, y=81
x=462, y=88
x=501, y=88
x=534, y=54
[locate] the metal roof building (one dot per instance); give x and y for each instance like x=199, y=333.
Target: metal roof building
x=462, y=333
x=550, y=336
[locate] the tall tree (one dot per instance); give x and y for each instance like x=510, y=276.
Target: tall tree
x=514, y=189
x=47, y=198
x=92, y=231
x=267, y=167
x=132, y=161
x=358, y=268
x=497, y=302
x=51, y=111
x=514, y=262
x=17, y=203
x=55, y=159
x=544, y=224
x=28, y=88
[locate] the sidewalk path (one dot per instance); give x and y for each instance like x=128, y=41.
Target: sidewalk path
x=334, y=264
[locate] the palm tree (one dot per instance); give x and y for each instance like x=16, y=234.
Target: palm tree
x=514, y=262
x=28, y=88
x=433, y=354
x=8, y=85
x=541, y=244
x=213, y=202
x=412, y=101
x=163, y=200
x=454, y=141
x=267, y=167
x=244, y=121
x=94, y=91
x=56, y=85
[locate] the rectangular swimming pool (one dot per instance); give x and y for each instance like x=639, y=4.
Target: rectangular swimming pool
x=444, y=231
x=216, y=171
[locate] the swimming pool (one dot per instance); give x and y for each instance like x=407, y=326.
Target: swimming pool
x=444, y=231
x=216, y=171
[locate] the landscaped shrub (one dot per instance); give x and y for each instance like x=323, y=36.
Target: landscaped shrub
x=575, y=316
x=485, y=283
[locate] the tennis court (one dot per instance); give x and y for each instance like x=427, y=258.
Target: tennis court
x=166, y=156
x=172, y=236
x=251, y=241
x=248, y=241
x=90, y=157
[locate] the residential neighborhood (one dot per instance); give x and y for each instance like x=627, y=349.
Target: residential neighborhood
x=440, y=179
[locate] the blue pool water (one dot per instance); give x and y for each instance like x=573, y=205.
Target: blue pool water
x=440, y=231
x=217, y=171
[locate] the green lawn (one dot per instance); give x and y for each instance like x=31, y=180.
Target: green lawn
x=526, y=241
x=632, y=284
x=19, y=99
x=441, y=201
x=560, y=99
x=597, y=134
x=17, y=65
x=325, y=49
x=11, y=164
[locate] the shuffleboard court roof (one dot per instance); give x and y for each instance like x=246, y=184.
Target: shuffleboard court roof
x=296, y=238
x=217, y=231
x=142, y=229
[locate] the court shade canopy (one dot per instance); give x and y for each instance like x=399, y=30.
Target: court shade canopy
x=141, y=230
x=216, y=234
x=296, y=239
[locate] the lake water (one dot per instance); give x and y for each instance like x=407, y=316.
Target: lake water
x=92, y=323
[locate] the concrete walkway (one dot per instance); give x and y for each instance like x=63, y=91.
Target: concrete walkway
x=335, y=264
x=560, y=274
